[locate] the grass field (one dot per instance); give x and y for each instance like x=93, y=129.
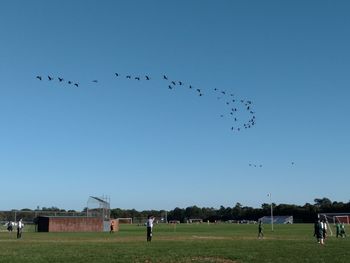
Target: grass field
x=186, y=243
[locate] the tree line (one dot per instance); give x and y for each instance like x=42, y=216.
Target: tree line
x=302, y=214
x=306, y=213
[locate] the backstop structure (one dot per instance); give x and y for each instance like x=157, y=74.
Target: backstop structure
x=277, y=219
x=94, y=218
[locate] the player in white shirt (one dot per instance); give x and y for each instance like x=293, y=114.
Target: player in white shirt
x=149, y=223
x=20, y=226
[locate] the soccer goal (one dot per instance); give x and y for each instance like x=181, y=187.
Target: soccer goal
x=342, y=219
x=125, y=220
x=336, y=217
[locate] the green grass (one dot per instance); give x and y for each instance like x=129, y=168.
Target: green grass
x=186, y=243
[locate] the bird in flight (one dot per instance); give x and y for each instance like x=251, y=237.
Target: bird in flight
x=60, y=79
x=147, y=77
x=165, y=77
x=128, y=77
x=69, y=82
x=116, y=74
x=39, y=77
x=95, y=81
x=170, y=87
x=137, y=78
x=190, y=87
x=50, y=78
x=173, y=82
x=180, y=83
x=76, y=84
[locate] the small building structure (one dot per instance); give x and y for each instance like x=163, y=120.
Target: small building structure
x=70, y=224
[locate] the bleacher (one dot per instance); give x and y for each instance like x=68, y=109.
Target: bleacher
x=277, y=219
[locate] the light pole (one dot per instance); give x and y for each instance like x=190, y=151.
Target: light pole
x=271, y=211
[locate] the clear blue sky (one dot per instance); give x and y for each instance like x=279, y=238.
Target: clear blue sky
x=148, y=147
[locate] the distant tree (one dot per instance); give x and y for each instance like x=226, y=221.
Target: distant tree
x=177, y=214
x=26, y=209
x=237, y=211
x=52, y=208
x=193, y=212
x=323, y=202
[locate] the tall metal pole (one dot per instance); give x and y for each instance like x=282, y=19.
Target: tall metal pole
x=271, y=212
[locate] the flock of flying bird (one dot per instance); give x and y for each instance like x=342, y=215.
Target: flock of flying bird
x=60, y=79
x=234, y=106
x=260, y=165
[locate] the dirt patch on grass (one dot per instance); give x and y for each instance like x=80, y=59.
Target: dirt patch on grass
x=210, y=237
x=212, y=260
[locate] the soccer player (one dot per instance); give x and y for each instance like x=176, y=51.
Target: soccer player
x=150, y=220
x=111, y=227
x=320, y=232
x=342, y=230
x=20, y=226
x=337, y=227
x=316, y=226
x=9, y=226
x=324, y=229
x=260, y=229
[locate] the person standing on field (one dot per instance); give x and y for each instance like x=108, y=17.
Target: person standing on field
x=320, y=232
x=150, y=220
x=316, y=226
x=342, y=230
x=20, y=226
x=9, y=226
x=111, y=227
x=324, y=229
x=337, y=227
x=260, y=229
